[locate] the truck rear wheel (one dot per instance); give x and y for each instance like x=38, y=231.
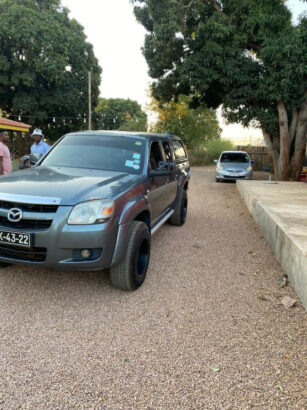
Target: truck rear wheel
x=179, y=216
x=131, y=272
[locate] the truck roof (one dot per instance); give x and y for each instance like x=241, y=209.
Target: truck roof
x=147, y=135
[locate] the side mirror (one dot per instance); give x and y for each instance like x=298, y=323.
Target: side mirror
x=164, y=168
x=215, y=161
x=165, y=165
x=158, y=173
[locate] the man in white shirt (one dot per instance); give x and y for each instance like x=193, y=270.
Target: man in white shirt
x=39, y=147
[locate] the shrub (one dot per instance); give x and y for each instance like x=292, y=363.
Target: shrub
x=205, y=154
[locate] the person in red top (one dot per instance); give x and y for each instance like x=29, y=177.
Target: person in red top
x=5, y=156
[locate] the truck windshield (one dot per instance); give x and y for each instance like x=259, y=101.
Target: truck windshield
x=237, y=157
x=103, y=152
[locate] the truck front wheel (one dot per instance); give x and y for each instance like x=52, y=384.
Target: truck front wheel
x=5, y=265
x=131, y=272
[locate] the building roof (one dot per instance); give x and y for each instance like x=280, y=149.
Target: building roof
x=14, y=125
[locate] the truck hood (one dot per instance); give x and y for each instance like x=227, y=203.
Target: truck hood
x=67, y=185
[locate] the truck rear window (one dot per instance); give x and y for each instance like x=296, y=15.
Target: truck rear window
x=180, y=153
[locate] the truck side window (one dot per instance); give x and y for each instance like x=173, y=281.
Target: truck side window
x=155, y=155
x=167, y=151
x=180, y=153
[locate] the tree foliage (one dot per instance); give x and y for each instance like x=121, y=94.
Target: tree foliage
x=194, y=126
x=119, y=113
x=44, y=64
x=244, y=54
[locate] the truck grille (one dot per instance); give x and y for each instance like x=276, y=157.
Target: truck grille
x=23, y=254
x=29, y=207
x=28, y=223
x=25, y=224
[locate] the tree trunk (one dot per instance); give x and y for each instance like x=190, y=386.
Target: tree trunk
x=284, y=151
x=270, y=143
x=285, y=166
x=298, y=158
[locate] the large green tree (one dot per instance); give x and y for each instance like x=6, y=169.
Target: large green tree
x=195, y=126
x=44, y=64
x=244, y=54
x=120, y=113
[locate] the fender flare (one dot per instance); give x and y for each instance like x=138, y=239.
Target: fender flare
x=130, y=212
x=133, y=208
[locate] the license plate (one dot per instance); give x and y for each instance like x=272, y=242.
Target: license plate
x=15, y=238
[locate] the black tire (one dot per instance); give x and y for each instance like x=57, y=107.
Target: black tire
x=131, y=272
x=4, y=265
x=217, y=180
x=181, y=209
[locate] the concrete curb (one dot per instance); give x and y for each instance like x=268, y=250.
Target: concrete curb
x=282, y=219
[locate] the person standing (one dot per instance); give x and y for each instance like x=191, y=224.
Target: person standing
x=5, y=155
x=39, y=147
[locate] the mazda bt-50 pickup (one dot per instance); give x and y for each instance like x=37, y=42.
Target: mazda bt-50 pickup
x=93, y=202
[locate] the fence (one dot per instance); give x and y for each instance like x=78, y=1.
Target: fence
x=260, y=155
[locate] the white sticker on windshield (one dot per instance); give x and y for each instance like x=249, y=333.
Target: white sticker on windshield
x=136, y=166
x=129, y=164
x=136, y=156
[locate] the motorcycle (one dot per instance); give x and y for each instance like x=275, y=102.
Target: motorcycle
x=28, y=161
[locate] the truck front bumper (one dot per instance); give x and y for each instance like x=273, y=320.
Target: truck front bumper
x=61, y=245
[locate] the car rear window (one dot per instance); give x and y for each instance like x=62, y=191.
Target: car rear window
x=237, y=157
x=104, y=152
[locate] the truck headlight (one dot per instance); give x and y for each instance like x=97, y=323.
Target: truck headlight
x=249, y=168
x=91, y=212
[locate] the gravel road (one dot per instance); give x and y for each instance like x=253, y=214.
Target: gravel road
x=206, y=330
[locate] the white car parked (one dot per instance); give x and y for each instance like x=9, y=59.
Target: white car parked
x=233, y=165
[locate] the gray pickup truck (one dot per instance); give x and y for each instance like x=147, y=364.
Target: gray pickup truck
x=93, y=202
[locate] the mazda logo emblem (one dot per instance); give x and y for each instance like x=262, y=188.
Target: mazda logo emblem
x=14, y=215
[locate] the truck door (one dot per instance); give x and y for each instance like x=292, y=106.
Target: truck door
x=156, y=186
x=170, y=180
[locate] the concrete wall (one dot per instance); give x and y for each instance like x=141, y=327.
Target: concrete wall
x=280, y=211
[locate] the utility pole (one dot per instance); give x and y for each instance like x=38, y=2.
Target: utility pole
x=89, y=100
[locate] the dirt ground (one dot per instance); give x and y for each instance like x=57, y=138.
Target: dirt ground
x=206, y=330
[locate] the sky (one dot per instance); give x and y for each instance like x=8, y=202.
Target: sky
x=118, y=38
